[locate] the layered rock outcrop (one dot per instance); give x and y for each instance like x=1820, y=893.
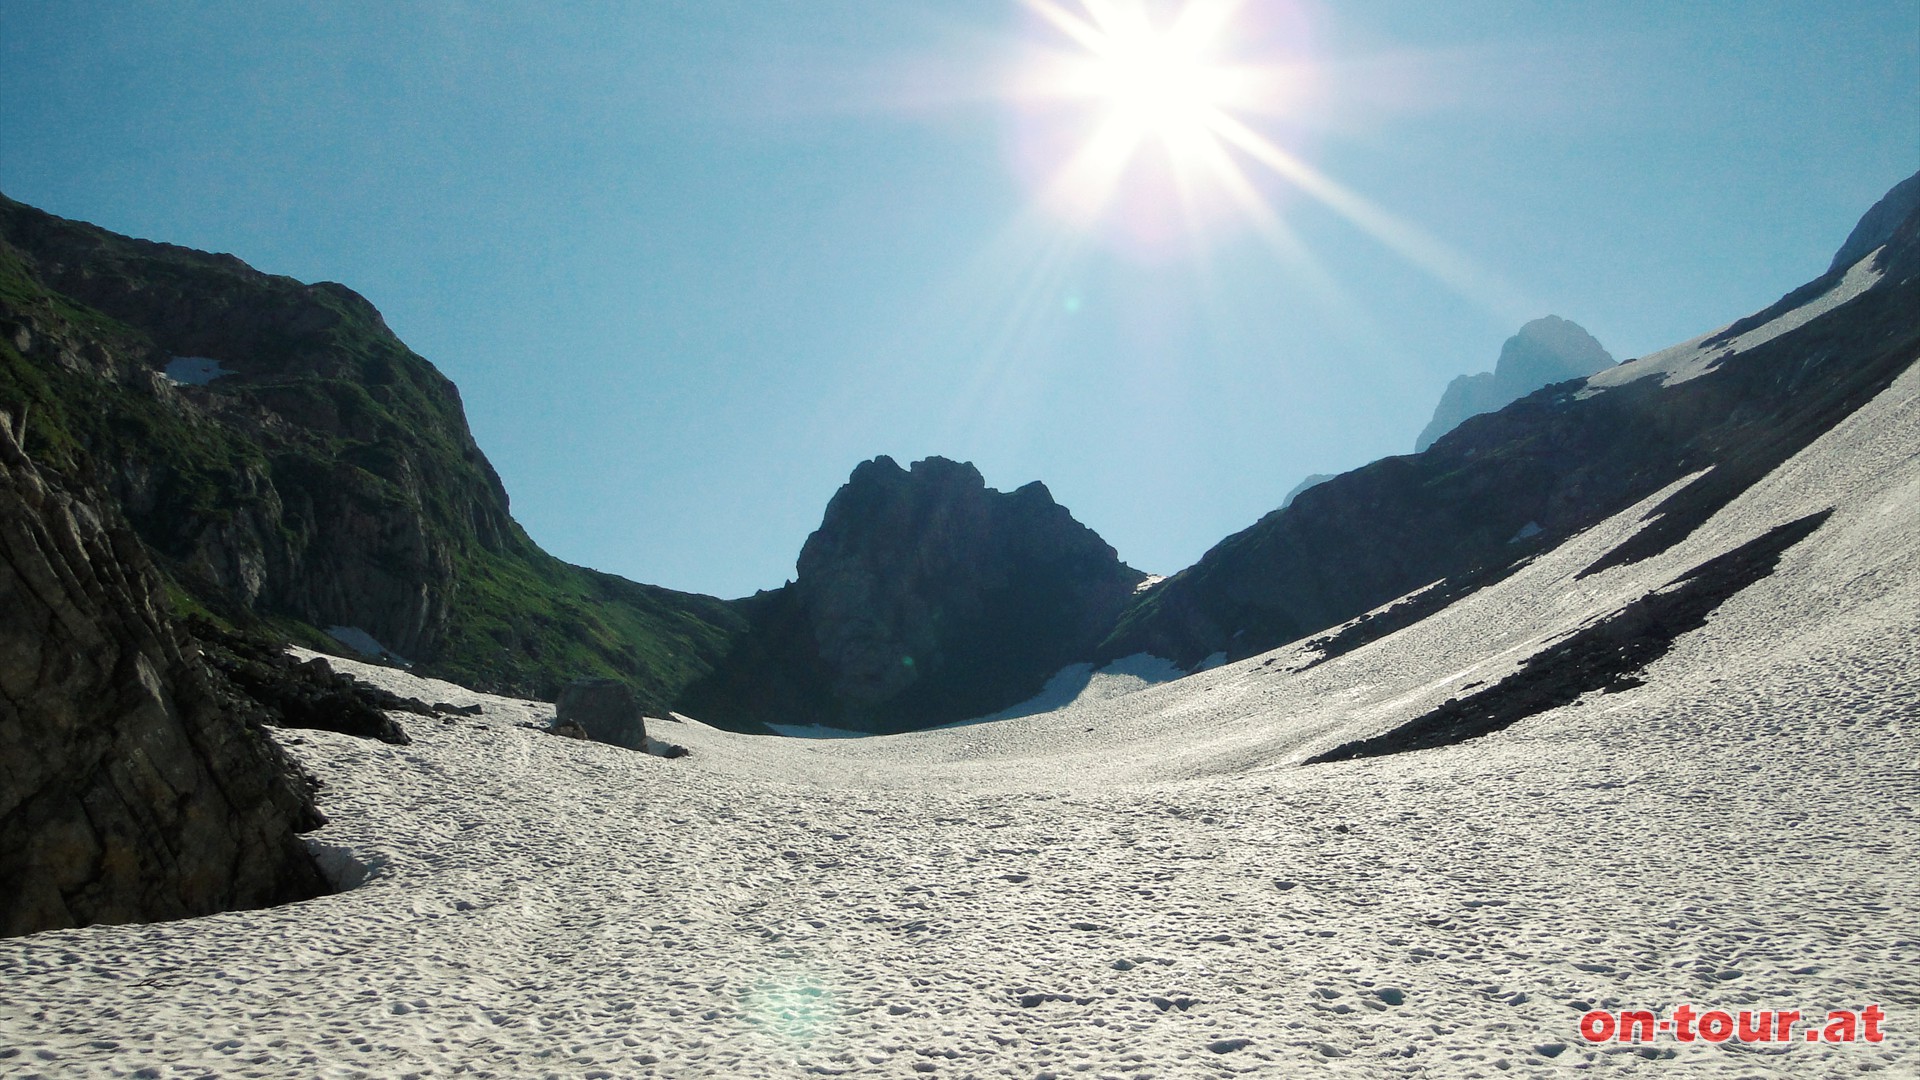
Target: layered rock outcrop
x=131, y=787
x=924, y=597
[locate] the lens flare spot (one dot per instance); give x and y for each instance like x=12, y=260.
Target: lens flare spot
x=798, y=1010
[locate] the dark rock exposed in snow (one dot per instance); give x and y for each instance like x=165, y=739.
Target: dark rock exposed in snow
x=1606, y=656
x=132, y=788
x=306, y=694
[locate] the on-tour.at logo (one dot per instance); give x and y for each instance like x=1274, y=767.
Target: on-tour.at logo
x=1687, y=1023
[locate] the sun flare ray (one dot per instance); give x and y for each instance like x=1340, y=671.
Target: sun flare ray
x=1169, y=89
x=1405, y=239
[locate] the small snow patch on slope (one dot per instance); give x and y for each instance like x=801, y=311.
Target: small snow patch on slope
x=1078, y=684
x=816, y=731
x=1692, y=359
x=194, y=370
x=364, y=643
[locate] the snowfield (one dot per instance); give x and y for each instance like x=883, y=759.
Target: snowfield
x=1139, y=884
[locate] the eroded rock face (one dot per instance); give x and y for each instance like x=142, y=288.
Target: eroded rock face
x=924, y=597
x=1546, y=351
x=250, y=496
x=131, y=788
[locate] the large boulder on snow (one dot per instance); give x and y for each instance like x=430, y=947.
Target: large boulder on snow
x=605, y=710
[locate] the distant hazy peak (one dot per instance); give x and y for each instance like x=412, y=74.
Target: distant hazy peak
x=1313, y=480
x=1547, y=350
x=1877, y=225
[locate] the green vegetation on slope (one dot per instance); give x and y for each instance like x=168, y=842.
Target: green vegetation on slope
x=331, y=480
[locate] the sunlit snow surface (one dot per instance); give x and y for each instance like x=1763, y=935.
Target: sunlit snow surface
x=1117, y=886
x=1081, y=685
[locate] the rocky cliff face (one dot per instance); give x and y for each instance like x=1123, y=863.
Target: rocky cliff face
x=1503, y=484
x=322, y=451
x=131, y=788
x=923, y=597
x=1546, y=351
x=284, y=456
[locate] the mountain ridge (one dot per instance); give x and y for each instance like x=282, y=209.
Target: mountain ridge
x=1475, y=504
x=328, y=479
x=327, y=476
x=1544, y=351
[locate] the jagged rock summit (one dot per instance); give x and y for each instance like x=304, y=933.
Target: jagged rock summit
x=1878, y=224
x=1545, y=351
x=924, y=596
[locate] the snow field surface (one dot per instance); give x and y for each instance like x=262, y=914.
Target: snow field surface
x=1142, y=884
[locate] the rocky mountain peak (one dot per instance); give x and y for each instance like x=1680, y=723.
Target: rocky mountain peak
x=937, y=519
x=1476, y=505
x=926, y=596
x=1547, y=350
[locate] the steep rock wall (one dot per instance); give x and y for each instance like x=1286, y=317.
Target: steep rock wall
x=131, y=788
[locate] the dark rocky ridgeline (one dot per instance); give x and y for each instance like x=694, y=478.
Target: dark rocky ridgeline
x=327, y=478
x=1505, y=485
x=1547, y=350
x=131, y=787
x=924, y=597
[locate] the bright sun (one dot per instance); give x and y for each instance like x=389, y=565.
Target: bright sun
x=1155, y=83
x=1174, y=75
x=1151, y=83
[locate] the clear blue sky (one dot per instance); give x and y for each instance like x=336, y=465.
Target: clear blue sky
x=689, y=262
